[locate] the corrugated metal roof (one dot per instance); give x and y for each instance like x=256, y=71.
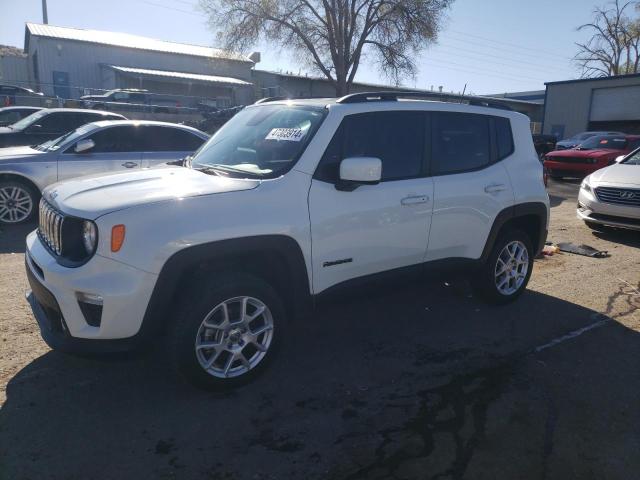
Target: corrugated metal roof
x=129, y=41
x=183, y=75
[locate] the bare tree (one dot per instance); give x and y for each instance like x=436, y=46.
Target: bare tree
x=333, y=36
x=614, y=47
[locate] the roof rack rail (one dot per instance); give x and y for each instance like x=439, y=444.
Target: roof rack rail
x=391, y=96
x=269, y=99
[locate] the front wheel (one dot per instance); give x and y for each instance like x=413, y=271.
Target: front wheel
x=227, y=331
x=18, y=202
x=506, y=273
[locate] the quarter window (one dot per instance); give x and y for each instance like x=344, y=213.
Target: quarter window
x=504, y=137
x=461, y=142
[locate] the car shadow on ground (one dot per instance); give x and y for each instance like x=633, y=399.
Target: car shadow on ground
x=12, y=237
x=420, y=382
x=630, y=238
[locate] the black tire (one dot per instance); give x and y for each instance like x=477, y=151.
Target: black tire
x=485, y=282
x=7, y=188
x=200, y=299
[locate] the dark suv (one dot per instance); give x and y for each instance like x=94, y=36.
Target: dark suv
x=48, y=124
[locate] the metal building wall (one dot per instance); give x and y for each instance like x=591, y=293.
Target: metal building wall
x=82, y=62
x=13, y=70
x=568, y=104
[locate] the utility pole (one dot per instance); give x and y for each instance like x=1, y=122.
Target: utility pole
x=45, y=17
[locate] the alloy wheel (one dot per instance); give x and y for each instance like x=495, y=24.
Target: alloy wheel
x=234, y=337
x=16, y=204
x=512, y=267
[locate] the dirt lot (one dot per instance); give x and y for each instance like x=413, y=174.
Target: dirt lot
x=424, y=382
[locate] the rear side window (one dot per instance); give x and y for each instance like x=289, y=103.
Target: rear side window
x=167, y=139
x=177, y=140
x=396, y=138
x=504, y=137
x=461, y=142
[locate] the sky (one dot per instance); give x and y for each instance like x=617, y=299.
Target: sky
x=491, y=46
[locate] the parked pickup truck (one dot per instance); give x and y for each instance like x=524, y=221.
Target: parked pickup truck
x=130, y=100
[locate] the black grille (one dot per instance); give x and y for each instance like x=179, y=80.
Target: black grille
x=619, y=196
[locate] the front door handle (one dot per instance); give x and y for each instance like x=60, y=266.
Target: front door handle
x=414, y=200
x=495, y=188
x=129, y=164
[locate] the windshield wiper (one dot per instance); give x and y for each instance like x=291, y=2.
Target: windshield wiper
x=217, y=168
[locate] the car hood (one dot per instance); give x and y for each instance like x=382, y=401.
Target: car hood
x=92, y=196
x=13, y=153
x=619, y=173
x=600, y=152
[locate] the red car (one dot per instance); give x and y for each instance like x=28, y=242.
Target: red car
x=591, y=155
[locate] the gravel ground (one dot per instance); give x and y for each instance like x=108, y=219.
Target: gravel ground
x=422, y=382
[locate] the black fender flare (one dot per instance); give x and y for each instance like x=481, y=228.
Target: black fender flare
x=299, y=299
x=538, y=209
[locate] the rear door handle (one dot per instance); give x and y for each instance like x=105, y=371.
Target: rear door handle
x=129, y=164
x=495, y=188
x=414, y=200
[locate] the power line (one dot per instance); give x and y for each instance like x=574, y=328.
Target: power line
x=513, y=45
x=505, y=55
x=456, y=67
x=170, y=8
x=507, y=63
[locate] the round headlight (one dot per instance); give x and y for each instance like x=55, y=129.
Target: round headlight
x=89, y=236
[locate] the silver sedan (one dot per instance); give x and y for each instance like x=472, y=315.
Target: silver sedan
x=100, y=147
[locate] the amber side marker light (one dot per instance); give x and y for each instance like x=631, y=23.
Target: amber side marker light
x=117, y=237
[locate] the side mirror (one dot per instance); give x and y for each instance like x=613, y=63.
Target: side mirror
x=356, y=171
x=84, y=145
x=620, y=158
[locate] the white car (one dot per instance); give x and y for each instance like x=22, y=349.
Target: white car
x=98, y=147
x=289, y=201
x=610, y=197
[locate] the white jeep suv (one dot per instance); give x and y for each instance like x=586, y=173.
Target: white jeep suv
x=290, y=200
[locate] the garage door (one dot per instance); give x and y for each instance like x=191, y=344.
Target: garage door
x=615, y=104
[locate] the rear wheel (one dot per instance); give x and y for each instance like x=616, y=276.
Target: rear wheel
x=227, y=331
x=18, y=202
x=506, y=273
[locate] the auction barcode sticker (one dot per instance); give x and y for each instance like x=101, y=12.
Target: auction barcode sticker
x=290, y=134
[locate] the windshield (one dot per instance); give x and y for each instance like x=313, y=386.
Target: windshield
x=610, y=143
x=260, y=142
x=26, y=121
x=633, y=159
x=66, y=139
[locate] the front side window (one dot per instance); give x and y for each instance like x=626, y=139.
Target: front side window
x=115, y=139
x=461, y=142
x=260, y=142
x=396, y=138
x=59, y=122
x=29, y=120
